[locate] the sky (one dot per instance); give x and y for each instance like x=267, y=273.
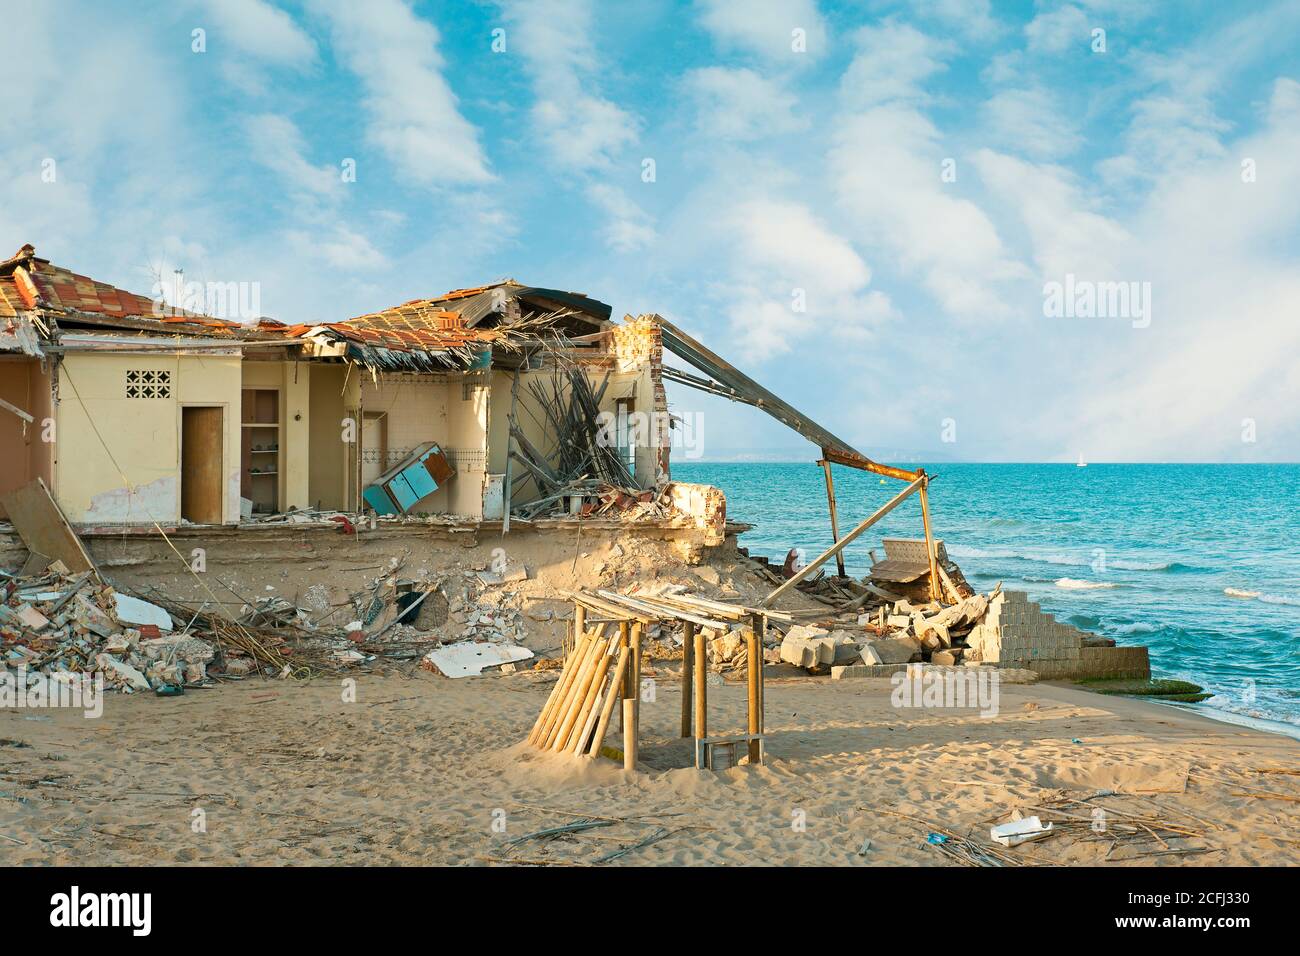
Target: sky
x=947, y=230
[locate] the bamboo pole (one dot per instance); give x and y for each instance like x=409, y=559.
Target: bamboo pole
x=578, y=695
x=581, y=727
x=638, y=631
x=579, y=746
x=936, y=590
x=629, y=734
x=625, y=639
x=830, y=500
x=845, y=541
x=612, y=701
x=688, y=653
x=558, y=693
x=701, y=688
x=552, y=728
x=579, y=621
x=755, y=662
x=759, y=623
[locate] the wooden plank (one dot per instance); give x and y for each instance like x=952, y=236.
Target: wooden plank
x=844, y=542
x=17, y=411
x=40, y=523
x=936, y=593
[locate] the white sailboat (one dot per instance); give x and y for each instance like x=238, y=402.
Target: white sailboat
x=1081, y=463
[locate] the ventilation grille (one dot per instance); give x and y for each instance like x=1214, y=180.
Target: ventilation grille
x=148, y=383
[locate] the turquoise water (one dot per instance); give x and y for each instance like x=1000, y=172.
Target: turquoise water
x=1199, y=562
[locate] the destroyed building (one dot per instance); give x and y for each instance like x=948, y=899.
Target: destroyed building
x=133, y=430
x=135, y=414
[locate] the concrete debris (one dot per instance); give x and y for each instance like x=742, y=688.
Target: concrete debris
x=64, y=626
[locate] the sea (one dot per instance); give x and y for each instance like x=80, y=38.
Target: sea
x=1201, y=563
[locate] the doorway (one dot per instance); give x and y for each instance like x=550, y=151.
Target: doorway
x=202, y=441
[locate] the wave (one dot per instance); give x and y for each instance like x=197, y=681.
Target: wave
x=1074, y=584
x=1137, y=627
x=1067, y=560
x=1261, y=597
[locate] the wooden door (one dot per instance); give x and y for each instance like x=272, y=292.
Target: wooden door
x=202, y=441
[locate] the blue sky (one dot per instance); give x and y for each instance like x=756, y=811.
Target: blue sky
x=912, y=174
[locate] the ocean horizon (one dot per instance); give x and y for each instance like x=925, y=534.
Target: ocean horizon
x=1196, y=561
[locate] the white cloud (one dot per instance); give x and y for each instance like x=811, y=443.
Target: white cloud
x=790, y=276
x=885, y=170
x=1224, y=295
x=581, y=129
x=1066, y=235
x=739, y=104
x=258, y=29
x=628, y=227
x=1059, y=30
x=276, y=143
x=1031, y=121
x=314, y=225
x=765, y=27
x=413, y=114
x=892, y=63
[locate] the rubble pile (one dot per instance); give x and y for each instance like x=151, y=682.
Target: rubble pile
x=63, y=625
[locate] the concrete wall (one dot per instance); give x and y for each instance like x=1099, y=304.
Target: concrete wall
x=25, y=454
x=142, y=435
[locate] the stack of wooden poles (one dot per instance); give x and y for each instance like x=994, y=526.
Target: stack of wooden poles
x=602, y=673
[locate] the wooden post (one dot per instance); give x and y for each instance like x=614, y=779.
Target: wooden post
x=755, y=668
x=688, y=654
x=830, y=500
x=638, y=629
x=624, y=637
x=936, y=590
x=632, y=701
x=845, y=541
x=629, y=734
x=760, y=635
x=701, y=687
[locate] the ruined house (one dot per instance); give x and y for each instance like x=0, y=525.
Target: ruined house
x=137, y=414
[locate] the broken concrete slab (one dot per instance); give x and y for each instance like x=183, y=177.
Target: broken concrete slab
x=898, y=650
x=121, y=673
x=130, y=610
x=469, y=658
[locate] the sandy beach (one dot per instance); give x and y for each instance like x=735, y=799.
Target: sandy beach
x=426, y=770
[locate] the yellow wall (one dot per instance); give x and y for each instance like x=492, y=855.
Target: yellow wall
x=293, y=381
x=328, y=460
x=142, y=435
